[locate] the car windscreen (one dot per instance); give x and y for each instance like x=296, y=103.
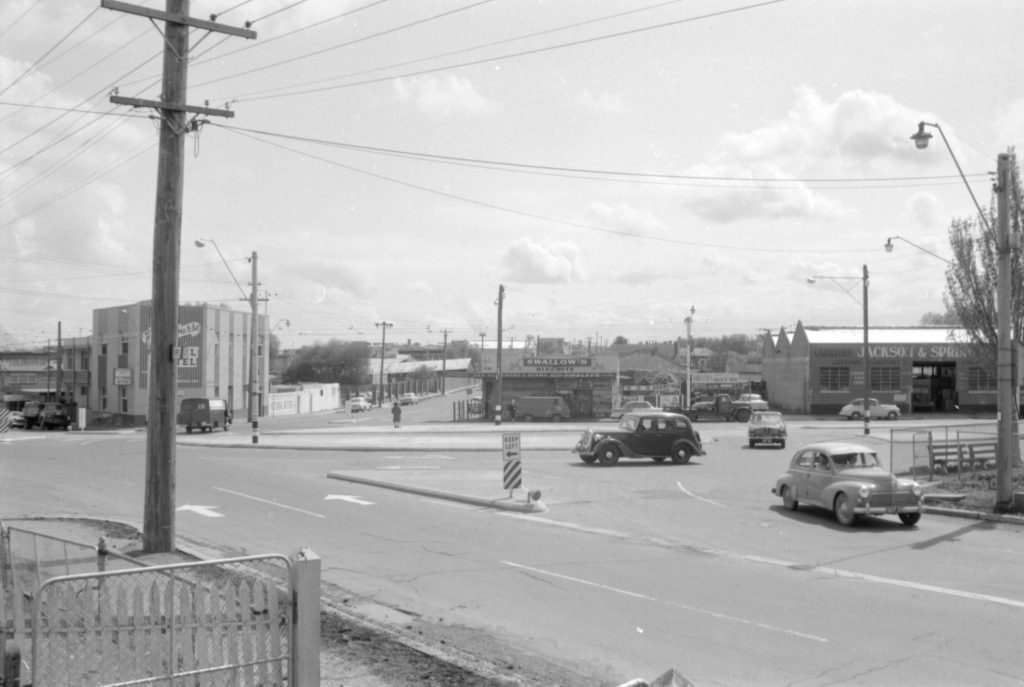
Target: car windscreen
x=629, y=422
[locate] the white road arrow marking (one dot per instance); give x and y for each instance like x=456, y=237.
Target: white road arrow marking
x=206, y=511
x=350, y=499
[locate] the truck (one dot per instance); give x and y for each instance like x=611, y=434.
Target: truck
x=725, y=407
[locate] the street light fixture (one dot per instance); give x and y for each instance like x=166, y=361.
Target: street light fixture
x=1004, y=346
x=889, y=246
x=867, y=353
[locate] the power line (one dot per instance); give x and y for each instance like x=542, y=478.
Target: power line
x=35, y=65
x=344, y=45
x=523, y=53
x=523, y=213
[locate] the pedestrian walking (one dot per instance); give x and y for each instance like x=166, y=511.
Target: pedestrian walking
x=396, y=414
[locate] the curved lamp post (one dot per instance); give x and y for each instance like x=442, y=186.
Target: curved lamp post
x=1004, y=346
x=867, y=353
x=889, y=246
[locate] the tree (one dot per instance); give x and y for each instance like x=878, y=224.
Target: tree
x=619, y=340
x=971, y=283
x=333, y=362
x=971, y=278
x=949, y=318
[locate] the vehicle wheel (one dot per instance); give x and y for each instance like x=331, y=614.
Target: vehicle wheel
x=844, y=510
x=854, y=415
x=753, y=444
x=658, y=459
x=743, y=415
x=610, y=454
x=892, y=415
x=910, y=519
x=527, y=418
x=788, y=500
x=681, y=454
x=588, y=459
x=188, y=429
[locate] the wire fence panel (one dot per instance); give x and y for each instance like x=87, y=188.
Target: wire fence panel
x=223, y=623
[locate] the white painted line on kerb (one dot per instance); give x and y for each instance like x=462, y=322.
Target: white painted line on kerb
x=645, y=597
x=269, y=503
x=699, y=498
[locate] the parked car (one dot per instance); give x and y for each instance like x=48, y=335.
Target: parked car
x=408, y=399
x=530, y=408
x=359, y=405
x=630, y=407
x=754, y=401
x=767, y=427
x=848, y=480
x=33, y=413
x=204, y=414
x=54, y=416
x=16, y=418
x=854, y=410
x=651, y=434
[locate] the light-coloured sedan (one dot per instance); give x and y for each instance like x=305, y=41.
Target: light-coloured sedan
x=854, y=410
x=848, y=480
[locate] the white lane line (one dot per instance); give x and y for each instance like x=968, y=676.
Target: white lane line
x=699, y=498
x=775, y=562
x=645, y=597
x=269, y=503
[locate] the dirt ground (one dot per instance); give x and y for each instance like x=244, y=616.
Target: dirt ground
x=359, y=652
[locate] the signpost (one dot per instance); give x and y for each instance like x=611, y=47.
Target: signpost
x=511, y=461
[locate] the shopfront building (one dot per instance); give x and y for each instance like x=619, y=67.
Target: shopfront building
x=588, y=384
x=920, y=369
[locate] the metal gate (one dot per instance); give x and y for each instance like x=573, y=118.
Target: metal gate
x=215, y=623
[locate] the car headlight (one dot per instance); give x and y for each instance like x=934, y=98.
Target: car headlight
x=864, y=492
x=917, y=491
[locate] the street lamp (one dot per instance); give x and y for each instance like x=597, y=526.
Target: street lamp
x=253, y=298
x=867, y=352
x=889, y=246
x=1004, y=346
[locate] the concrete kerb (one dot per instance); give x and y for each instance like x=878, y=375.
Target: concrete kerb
x=530, y=506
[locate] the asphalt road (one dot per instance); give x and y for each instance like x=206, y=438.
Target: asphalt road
x=629, y=571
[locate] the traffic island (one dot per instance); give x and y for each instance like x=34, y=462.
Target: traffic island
x=533, y=504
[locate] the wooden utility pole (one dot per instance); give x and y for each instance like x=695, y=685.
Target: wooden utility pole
x=444, y=360
x=158, y=519
x=383, y=335
x=497, y=385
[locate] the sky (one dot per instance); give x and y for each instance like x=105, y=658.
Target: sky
x=613, y=165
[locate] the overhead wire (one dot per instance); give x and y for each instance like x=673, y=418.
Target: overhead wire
x=35, y=65
x=346, y=44
x=521, y=53
x=491, y=44
x=523, y=213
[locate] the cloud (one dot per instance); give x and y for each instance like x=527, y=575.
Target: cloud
x=529, y=262
x=625, y=218
x=447, y=97
x=1010, y=124
x=611, y=103
x=859, y=134
x=925, y=210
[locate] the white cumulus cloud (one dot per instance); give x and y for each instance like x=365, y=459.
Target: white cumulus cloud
x=447, y=97
x=530, y=262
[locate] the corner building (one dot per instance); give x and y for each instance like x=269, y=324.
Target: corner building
x=818, y=370
x=213, y=361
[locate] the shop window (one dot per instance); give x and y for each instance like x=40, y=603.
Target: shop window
x=124, y=399
x=834, y=379
x=124, y=346
x=980, y=379
x=103, y=349
x=885, y=379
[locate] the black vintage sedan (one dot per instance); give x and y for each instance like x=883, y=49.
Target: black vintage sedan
x=650, y=434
